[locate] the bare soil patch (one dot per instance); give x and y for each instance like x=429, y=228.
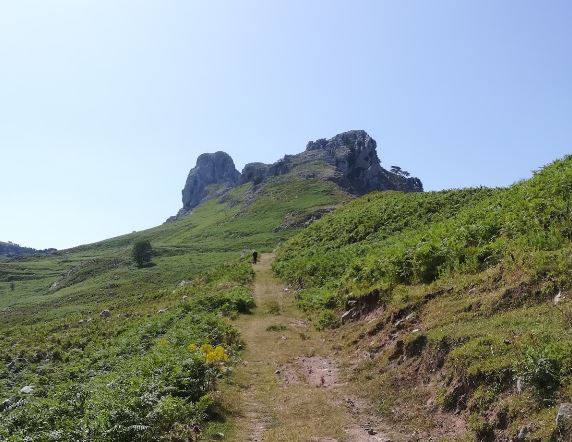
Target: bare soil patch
x=315, y=371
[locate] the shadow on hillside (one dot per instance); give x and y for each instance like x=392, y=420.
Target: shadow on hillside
x=147, y=265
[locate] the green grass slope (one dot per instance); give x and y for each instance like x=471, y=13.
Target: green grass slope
x=146, y=373
x=458, y=288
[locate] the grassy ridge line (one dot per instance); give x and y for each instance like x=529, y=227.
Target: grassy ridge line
x=417, y=238
x=214, y=233
x=479, y=269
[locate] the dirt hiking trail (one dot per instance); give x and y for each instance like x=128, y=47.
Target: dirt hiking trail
x=288, y=387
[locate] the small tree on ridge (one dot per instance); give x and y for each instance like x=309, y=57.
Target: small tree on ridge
x=142, y=252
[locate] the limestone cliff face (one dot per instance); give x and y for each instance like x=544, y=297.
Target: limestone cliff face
x=350, y=159
x=354, y=155
x=212, y=170
x=255, y=173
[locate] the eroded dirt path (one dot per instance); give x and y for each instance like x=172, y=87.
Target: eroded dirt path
x=289, y=387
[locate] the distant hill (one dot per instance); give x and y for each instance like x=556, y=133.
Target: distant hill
x=10, y=249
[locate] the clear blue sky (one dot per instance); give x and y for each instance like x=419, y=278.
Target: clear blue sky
x=105, y=104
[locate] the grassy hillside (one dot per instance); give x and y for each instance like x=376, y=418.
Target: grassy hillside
x=149, y=370
x=465, y=295
x=456, y=313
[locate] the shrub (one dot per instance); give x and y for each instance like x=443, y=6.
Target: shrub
x=235, y=300
x=481, y=427
x=541, y=370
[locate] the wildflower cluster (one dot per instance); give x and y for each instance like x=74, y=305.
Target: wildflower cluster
x=212, y=355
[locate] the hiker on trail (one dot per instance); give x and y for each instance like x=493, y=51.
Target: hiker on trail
x=254, y=256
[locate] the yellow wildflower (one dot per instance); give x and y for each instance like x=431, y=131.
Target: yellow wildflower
x=214, y=355
x=206, y=349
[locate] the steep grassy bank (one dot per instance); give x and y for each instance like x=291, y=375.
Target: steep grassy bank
x=149, y=371
x=465, y=294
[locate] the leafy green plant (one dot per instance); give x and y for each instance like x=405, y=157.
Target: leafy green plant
x=327, y=319
x=542, y=370
x=273, y=307
x=276, y=327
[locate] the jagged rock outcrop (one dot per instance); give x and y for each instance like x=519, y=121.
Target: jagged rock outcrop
x=354, y=154
x=255, y=173
x=213, y=173
x=350, y=159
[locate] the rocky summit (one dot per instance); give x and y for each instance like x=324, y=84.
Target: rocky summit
x=354, y=155
x=214, y=173
x=350, y=159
